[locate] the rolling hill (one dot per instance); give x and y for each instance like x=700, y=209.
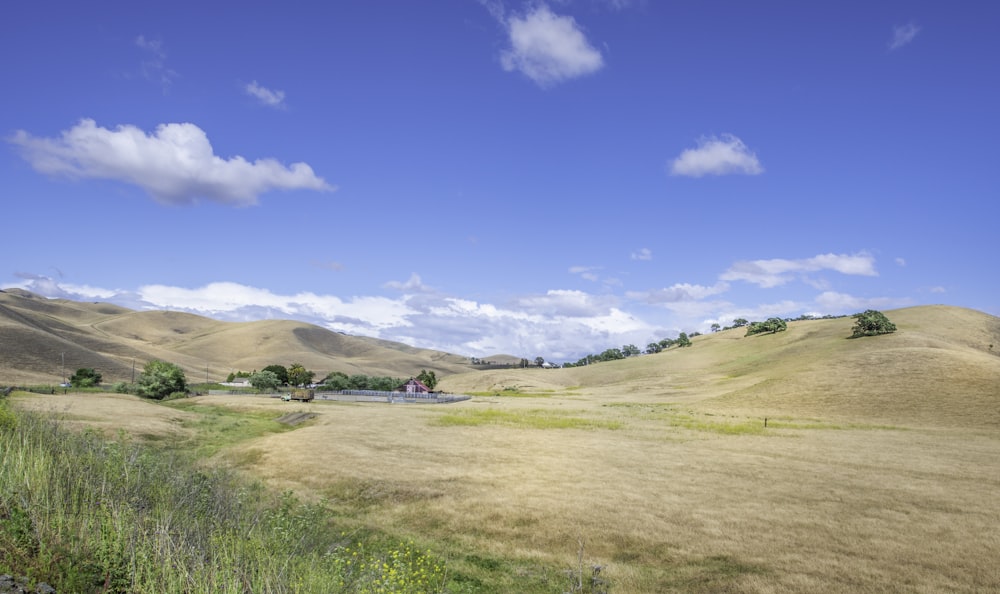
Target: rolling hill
x=941, y=367
x=43, y=339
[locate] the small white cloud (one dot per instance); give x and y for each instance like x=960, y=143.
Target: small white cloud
x=902, y=35
x=412, y=285
x=586, y=272
x=644, y=254
x=154, y=67
x=548, y=48
x=938, y=290
x=175, y=164
x=723, y=155
x=900, y=262
x=268, y=97
x=776, y=272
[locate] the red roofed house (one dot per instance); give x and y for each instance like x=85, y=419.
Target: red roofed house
x=414, y=386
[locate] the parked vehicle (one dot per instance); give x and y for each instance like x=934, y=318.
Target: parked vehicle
x=299, y=395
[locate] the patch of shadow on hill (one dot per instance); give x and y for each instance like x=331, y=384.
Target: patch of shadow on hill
x=296, y=418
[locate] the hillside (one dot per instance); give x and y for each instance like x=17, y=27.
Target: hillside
x=40, y=338
x=941, y=367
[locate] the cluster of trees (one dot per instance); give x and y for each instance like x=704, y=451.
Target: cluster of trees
x=158, y=380
x=630, y=350
x=771, y=325
x=274, y=376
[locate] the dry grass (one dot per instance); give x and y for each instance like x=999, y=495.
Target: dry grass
x=37, y=335
x=879, y=469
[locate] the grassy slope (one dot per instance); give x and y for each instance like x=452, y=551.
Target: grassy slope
x=37, y=335
x=937, y=369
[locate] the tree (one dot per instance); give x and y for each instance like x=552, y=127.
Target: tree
x=429, y=379
x=160, y=379
x=740, y=322
x=539, y=361
x=630, y=350
x=683, y=340
x=716, y=327
x=653, y=347
x=298, y=375
x=279, y=370
x=265, y=380
x=771, y=325
x=85, y=377
x=336, y=380
x=871, y=323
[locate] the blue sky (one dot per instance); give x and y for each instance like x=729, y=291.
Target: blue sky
x=485, y=176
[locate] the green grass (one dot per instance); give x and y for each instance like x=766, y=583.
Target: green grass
x=88, y=515
x=219, y=427
x=532, y=419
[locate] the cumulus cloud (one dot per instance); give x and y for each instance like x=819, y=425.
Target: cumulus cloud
x=175, y=165
x=776, y=272
x=546, y=47
x=723, y=155
x=268, y=97
x=902, y=35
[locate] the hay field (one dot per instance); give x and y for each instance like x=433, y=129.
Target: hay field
x=879, y=469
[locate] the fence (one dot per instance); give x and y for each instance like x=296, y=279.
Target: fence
x=363, y=396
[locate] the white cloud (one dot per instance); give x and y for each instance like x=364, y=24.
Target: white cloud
x=175, y=164
x=840, y=303
x=723, y=155
x=902, y=35
x=776, y=272
x=586, y=272
x=643, y=254
x=412, y=285
x=548, y=48
x=678, y=293
x=900, y=262
x=268, y=97
x=565, y=303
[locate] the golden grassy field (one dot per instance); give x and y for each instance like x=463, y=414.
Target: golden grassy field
x=879, y=468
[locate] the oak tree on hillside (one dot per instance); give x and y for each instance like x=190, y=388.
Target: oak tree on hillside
x=871, y=323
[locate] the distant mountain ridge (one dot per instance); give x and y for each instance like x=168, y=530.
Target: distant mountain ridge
x=43, y=340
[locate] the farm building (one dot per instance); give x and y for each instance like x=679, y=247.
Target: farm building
x=414, y=386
